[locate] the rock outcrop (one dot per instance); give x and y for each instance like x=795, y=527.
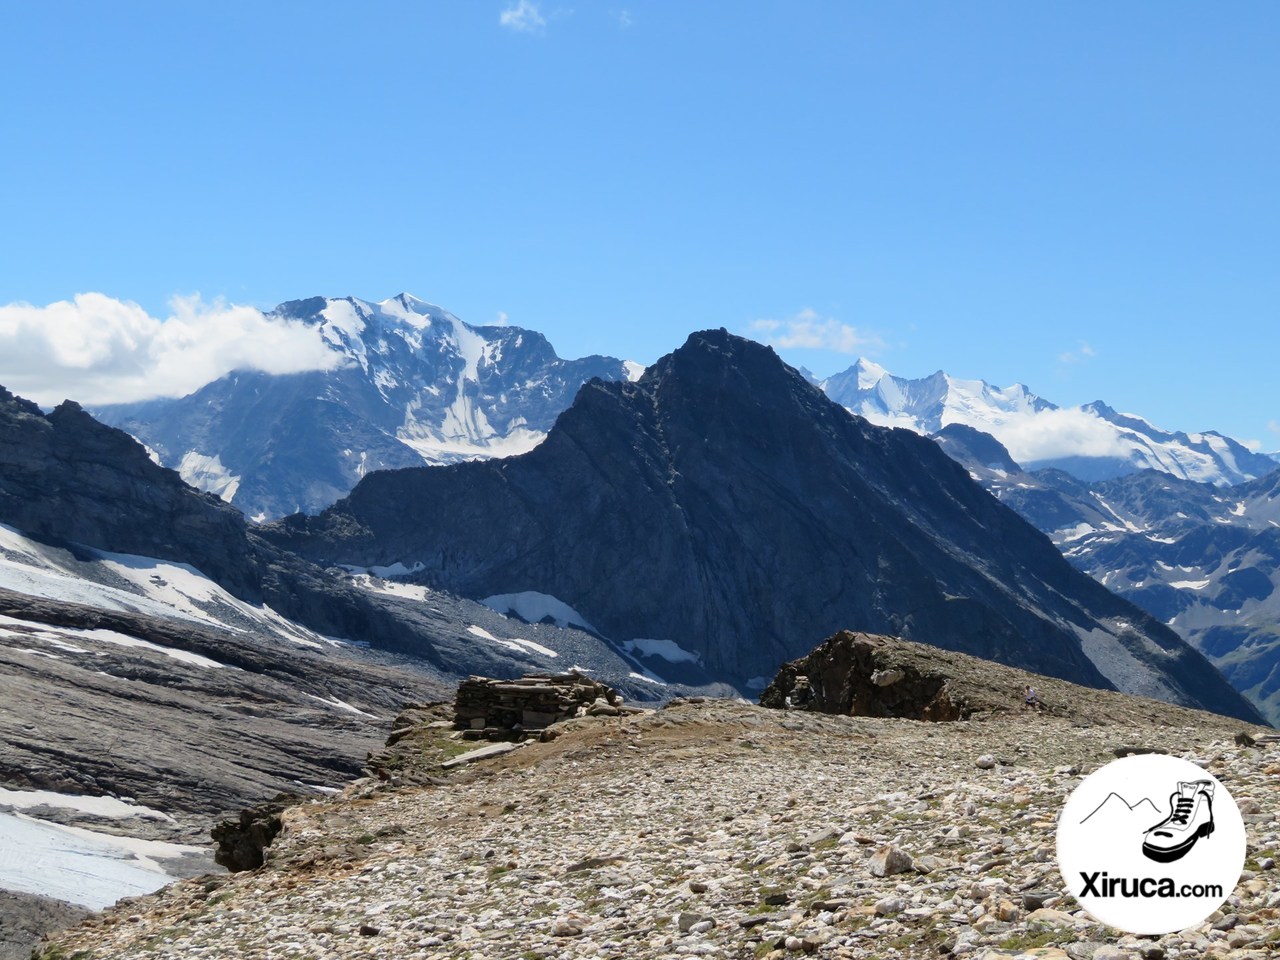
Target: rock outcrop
x=866, y=675
x=862, y=675
x=241, y=843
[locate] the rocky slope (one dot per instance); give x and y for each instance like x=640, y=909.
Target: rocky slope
x=67, y=481
x=723, y=510
x=24, y=919
x=724, y=830
x=416, y=384
x=1203, y=559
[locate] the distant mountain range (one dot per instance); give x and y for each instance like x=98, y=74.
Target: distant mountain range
x=1091, y=442
x=417, y=385
x=723, y=509
x=1203, y=559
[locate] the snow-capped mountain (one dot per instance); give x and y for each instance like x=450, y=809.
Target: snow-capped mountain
x=1091, y=442
x=416, y=385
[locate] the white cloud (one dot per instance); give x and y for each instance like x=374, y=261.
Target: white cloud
x=523, y=17
x=504, y=318
x=1049, y=434
x=1082, y=353
x=810, y=331
x=96, y=349
x=1274, y=426
x=624, y=18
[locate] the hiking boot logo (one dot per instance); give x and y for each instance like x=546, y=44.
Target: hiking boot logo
x=1138, y=863
x=1190, y=818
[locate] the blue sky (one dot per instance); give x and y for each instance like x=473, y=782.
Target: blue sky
x=1083, y=197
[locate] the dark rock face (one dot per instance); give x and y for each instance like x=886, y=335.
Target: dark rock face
x=415, y=384
x=724, y=503
x=106, y=722
x=857, y=675
x=67, y=477
x=241, y=844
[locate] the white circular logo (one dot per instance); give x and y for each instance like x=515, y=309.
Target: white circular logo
x=1151, y=844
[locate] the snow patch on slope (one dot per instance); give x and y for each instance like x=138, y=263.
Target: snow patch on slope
x=135, y=584
x=81, y=866
x=534, y=607
x=667, y=650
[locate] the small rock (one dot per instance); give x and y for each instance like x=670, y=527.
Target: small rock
x=369, y=930
x=889, y=860
x=888, y=906
x=928, y=863
x=697, y=886
x=1111, y=952
x=703, y=926
x=1050, y=918
x=687, y=921
x=1152, y=951
x=1266, y=863
x=1033, y=900
x=985, y=762
x=822, y=836
x=565, y=928
x=1006, y=912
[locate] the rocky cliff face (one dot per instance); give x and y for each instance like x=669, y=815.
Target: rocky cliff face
x=724, y=506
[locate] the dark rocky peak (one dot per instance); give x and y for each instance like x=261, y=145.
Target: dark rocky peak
x=723, y=509
x=66, y=477
x=308, y=309
x=14, y=405
x=975, y=448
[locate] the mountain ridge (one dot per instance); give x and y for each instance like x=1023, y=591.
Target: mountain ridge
x=700, y=504
x=1092, y=441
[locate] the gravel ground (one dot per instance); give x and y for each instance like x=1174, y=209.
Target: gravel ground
x=721, y=830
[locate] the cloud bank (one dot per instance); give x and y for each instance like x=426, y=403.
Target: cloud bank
x=96, y=350
x=807, y=330
x=1051, y=434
